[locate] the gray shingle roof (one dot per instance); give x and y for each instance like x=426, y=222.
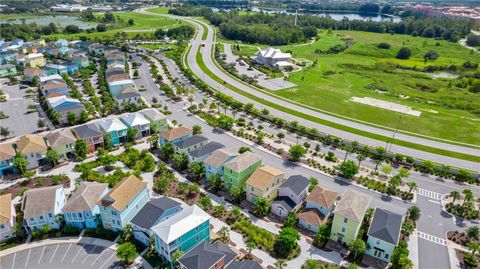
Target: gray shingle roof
x=206, y=149
x=193, y=140
x=85, y=197
x=297, y=183
x=60, y=138
x=386, y=226
x=88, y=130
x=245, y=264
x=39, y=201
x=152, y=211
x=285, y=202
x=219, y=157
x=205, y=255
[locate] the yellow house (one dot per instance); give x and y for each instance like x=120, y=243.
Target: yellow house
x=35, y=60
x=264, y=182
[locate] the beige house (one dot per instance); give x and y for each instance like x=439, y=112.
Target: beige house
x=264, y=182
x=7, y=217
x=33, y=147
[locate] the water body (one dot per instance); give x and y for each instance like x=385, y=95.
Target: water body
x=337, y=15
x=61, y=21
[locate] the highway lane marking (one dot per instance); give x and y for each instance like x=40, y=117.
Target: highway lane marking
x=13, y=262
x=429, y=194
x=28, y=257
x=88, y=254
x=64, y=255
x=41, y=254
x=54, y=253
x=431, y=238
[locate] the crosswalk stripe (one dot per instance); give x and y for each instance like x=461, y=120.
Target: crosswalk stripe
x=431, y=238
x=429, y=194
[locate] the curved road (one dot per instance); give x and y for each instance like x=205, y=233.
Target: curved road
x=207, y=58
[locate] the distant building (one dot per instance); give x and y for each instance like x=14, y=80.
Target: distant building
x=115, y=128
x=35, y=60
x=137, y=121
x=273, y=57
x=158, y=121
x=7, y=69
x=91, y=134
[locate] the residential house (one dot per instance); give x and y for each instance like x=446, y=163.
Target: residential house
x=116, y=74
x=71, y=67
x=54, y=85
x=61, y=43
x=81, y=209
x=80, y=61
x=189, y=144
x=52, y=75
x=33, y=147
x=273, y=58
x=264, y=182
x=290, y=195
x=152, y=213
x=348, y=216
x=7, y=154
x=91, y=134
x=35, y=60
x=202, y=153
x=384, y=234
x=7, y=217
x=83, y=45
x=237, y=171
x=208, y=255
x=30, y=73
x=96, y=49
x=175, y=134
x=214, y=164
x=7, y=69
x=137, y=121
x=64, y=106
x=318, y=205
x=123, y=202
x=63, y=142
x=18, y=42
x=115, y=57
x=158, y=121
x=115, y=128
x=128, y=96
x=7, y=56
x=116, y=87
x=183, y=231
x=41, y=206
x=60, y=69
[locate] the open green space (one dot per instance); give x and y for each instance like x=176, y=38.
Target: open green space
x=144, y=24
x=364, y=70
x=166, y=51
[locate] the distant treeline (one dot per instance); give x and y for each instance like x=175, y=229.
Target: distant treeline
x=15, y=6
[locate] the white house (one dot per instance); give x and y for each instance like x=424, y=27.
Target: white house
x=273, y=57
x=7, y=217
x=137, y=121
x=41, y=206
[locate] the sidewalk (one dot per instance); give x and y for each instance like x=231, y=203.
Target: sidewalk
x=413, y=249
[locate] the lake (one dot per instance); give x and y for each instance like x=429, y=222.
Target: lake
x=61, y=21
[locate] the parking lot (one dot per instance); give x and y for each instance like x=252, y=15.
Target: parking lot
x=19, y=121
x=64, y=255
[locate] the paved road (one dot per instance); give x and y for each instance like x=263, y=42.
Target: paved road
x=206, y=55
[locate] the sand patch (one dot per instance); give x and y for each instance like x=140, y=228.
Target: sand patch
x=386, y=105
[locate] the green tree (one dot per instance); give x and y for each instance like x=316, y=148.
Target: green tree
x=53, y=157
x=237, y=193
x=132, y=134
x=126, y=252
x=348, y=169
x=404, y=53
x=108, y=141
x=81, y=150
x=197, y=170
x=225, y=122
x=393, y=183
x=262, y=206
x=180, y=161
x=4, y=132
x=411, y=186
x=244, y=149
x=131, y=22
x=360, y=158
x=322, y=235
x=216, y=182
x=407, y=228
x=250, y=246
x=455, y=195
x=224, y=233
x=296, y=152
x=41, y=123
x=286, y=241
x=413, y=213
x=281, y=136
x=83, y=116
x=20, y=163
x=403, y=173
x=357, y=247
x=280, y=264
x=197, y=129
x=290, y=220
x=473, y=232
x=467, y=196
x=153, y=141
x=176, y=255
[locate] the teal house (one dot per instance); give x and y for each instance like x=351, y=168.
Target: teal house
x=214, y=163
x=183, y=231
x=175, y=135
x=384, y=234
x=115, y=128
x=158, y=121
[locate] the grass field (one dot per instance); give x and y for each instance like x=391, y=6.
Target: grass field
x=143, y=24
x=168, y=53
x=364, y=70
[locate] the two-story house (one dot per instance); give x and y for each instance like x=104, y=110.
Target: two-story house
x=214, y=163
x=348, y=216
x=33, y=147
x=291, y=194
x=80, y=61
x=175, y=134
x=115, y=128
x=384, y=234
x=115, y=87
x=264, y=182
x=237, y=171
x=152, y=213
x=203, y=152
x=123, y=202
x=208, y=255
x=7, y=217
x=137, y=121
x=189, y=144
x=41, y=206
x=35, y=60
x=158, y=121
x=81, y=208
x=63, y=142
x=318, y=205
x=64, y=106
x=182, y=231
x=7, y=154
x=91, y=134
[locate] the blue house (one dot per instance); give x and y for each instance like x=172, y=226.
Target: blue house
x=41, y=206
x=183, y=231
x=59, y=69
x=80, y=61
x=61, y=43
x=71, y=67
x=115, y=128
x=175, y=135
x=214, y=163
x=384, y=234
x=152, y=213
x=123, y=202
x=81, y=208
x=7, y=153
x=17, y=42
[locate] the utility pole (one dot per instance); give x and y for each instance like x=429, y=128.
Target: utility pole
x=296, y=14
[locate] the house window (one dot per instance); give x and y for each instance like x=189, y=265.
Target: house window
x=343, y=229
x=378, y=242
x=2, y=226
x=114, y=213
x=252, y=188
x=386, y=256
x=50, y=215
x=196, y=229
x=345, y=220
x=31, y=219
x=197, y=237
x=41, y=217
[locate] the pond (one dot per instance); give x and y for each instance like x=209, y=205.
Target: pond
x=61, y=21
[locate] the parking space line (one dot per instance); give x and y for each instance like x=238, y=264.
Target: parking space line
x=101, y=253
x=107, y=260
x=88, y=254
x=13, y=262
x=78, y=252
x=54, y=253
x=28, y=257
x=64, y=255
x=41, y=254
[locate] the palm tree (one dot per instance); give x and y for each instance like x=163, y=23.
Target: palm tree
x=377, y=163
x=474, y=247
x=280, y=264
x=250, y=247
x=412, y=186
x=224, y=233
x=468, y=196
x=455, y=195
x=360, y=158
x=348, y=149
